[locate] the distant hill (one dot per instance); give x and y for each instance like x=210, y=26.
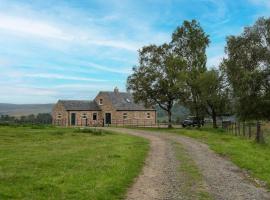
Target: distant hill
x=179, y=113
x=24, y=109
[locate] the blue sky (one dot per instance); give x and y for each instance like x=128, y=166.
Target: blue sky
x=71, y=49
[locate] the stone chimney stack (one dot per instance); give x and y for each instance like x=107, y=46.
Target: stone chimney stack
x=116, y=91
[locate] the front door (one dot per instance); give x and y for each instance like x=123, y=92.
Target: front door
x=73, y=119
x=108, y=118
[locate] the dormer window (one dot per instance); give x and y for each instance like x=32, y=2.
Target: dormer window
x=100, y=101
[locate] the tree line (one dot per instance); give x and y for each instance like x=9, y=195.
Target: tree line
x=177, y=73
x=41, y=118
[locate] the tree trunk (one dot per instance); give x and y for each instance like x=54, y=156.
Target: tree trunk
x=169, y=119
x=214, y=118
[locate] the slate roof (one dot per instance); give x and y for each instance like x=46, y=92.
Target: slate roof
x=124, y=101
x=80, y=105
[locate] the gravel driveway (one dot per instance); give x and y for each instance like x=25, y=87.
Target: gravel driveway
x=160, y=177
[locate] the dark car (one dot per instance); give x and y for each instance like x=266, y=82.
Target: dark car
x=192, y=121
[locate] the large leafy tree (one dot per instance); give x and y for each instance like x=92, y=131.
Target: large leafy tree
x=214, y=94
x=158, y=80
x=189, y=42
x=247, y=67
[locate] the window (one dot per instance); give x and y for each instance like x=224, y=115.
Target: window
x=148, y=115
x=125, y=115
x=84, y=116
x=59, y=116
x=94, y=116
x=100, y=101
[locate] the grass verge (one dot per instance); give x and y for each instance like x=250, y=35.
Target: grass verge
x=58, y=163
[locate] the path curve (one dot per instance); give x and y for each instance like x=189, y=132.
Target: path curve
x=160, y=179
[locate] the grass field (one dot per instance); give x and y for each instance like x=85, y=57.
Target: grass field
x=54, y=163
x=247, y=154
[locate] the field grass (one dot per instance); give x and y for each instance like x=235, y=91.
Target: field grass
x=57, y=163
x=248, y=155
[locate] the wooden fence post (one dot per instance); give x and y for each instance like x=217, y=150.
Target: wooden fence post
x=239, y=128
x=259, y=136
x=244, y=128
x=249, y=130
x=235, y=128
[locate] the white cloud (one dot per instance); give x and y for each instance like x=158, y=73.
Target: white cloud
x=19, y=90
x=109, y=69
x=62, y=77
x=31, y=27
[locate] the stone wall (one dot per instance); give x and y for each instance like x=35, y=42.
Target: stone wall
x=59, y=115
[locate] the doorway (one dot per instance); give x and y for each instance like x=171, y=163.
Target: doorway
x=73, y=119
x=108, y=118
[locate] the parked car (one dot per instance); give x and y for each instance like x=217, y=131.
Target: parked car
x=192, y=121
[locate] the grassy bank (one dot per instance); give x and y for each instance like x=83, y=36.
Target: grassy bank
x=253, y=157
x=54, y=163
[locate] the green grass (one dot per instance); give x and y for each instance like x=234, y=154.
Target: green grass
x=248, y=155
x=56, y=163
x=192, y=186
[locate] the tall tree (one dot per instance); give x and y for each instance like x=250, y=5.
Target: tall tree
x=247, y=67
x=158, y=78
x=189, y=42
x=215, y=94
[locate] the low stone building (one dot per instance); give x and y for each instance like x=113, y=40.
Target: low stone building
x=108, y=108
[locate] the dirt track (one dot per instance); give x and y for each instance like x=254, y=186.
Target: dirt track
x=161, y=179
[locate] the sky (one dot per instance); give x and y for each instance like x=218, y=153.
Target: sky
x=72, y=49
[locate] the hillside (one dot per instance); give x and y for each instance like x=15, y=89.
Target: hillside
x=24, y=109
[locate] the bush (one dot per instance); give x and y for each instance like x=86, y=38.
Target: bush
x=92, y=131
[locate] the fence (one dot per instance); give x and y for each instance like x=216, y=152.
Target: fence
x=259, y=131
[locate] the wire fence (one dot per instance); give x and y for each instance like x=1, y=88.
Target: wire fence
x=259, y=131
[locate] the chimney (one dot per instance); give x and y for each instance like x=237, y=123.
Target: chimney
x=116, y=91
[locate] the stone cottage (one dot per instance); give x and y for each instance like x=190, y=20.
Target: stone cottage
x=108, y=108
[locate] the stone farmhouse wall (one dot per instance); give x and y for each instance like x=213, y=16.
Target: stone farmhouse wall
x=61, y=117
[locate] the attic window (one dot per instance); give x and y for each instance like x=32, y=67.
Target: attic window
x=100, y=101
x=59, y=116
x=128, y=100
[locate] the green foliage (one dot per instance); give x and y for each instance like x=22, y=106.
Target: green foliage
x=190, y=42
x=214, y=94
x=41, y=118
x=165, y=71
x=56, y=163
x=92, y=131
x=248, y=70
